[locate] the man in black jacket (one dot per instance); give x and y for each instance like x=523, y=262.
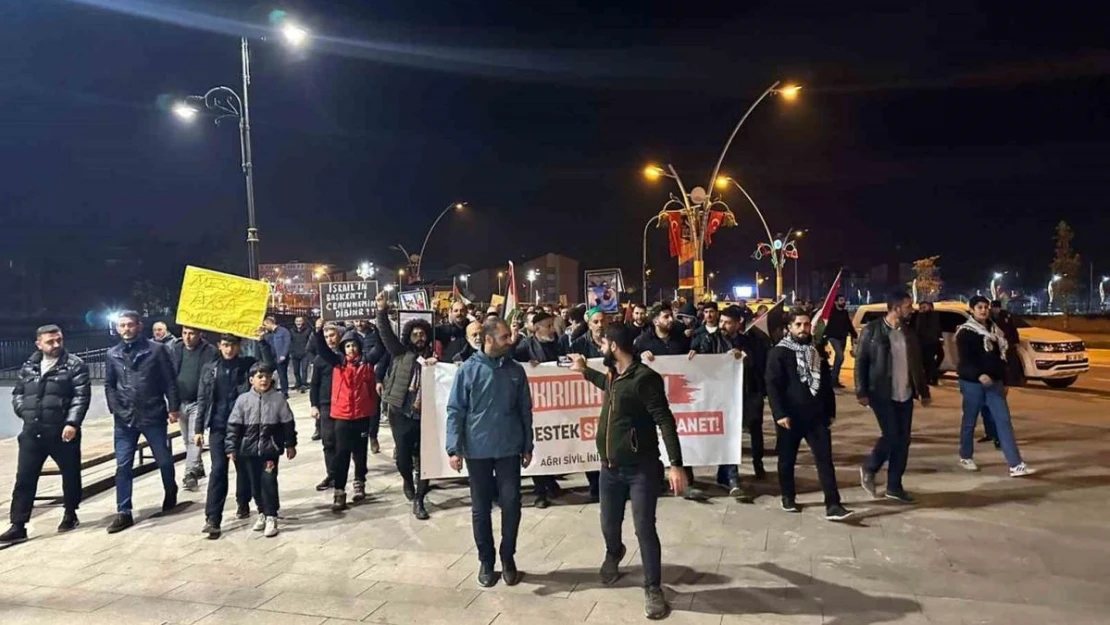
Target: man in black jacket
x=663, y=339
x=319, y=398
x=452, y=335
x=300, y=337
x=51, y=397
x=639, y=324
x=926, y=325
x=889, y=376
x=803, y=406
x=190, y=354
x=543, y=345
x=221, y=383
x=474, y=339
x=140, y=386
x=837, y=330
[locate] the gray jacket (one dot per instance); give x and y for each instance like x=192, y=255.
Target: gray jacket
x=260, y=425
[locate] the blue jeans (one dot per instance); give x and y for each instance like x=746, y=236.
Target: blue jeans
x=126, y=439
x=640, y=484
x=976, y=397
x=838, y=358
x=492, y=478
x=988, y=424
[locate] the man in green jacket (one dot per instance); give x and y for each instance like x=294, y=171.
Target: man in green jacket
x=627, y=441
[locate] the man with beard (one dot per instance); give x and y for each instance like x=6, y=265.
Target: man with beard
x=141, y=389
x=889, y=376
x=639, y=324
x=731, y=339
x=473, y=343
x=451, y=336
x=401, y=396
x=221, y=384
x=576, y=327
x=803, y=406
x=634, y=413
x=300, y=337
x=837, y=330
x=190, y=354
x=319, y=398
x=51, y=397
x=161, y=333
x=663, y=339
x=489, y=424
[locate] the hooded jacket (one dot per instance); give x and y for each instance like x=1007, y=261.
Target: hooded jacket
x=395, y=389
x=260, y=425
x=53, y=400
x=489, y=411
x=354, y=393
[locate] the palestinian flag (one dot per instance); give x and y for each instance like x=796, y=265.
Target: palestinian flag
x=826, y=310
x=457, y=294
x=770, y=324
x=511, y=302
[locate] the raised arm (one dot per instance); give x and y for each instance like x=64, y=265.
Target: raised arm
x=389, y=337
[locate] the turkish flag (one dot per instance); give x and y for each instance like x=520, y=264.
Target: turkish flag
x=675, y=226
x=716, y=220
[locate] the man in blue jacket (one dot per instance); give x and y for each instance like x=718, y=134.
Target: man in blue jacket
x=489, y=423
x=140, y=386
x=280, y=341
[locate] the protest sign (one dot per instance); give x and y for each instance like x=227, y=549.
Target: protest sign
x=496, y=300
x=603, y=288
x=705, y=396
x=345, y=301
x=221, y=302
x=413, y=300
x=405, y=316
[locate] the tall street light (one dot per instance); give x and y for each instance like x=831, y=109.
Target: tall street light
x=532, y=275
x=996, y=281
x=458, y=206
x=646, y=271
x=699, y=204
x=500, y=277
x=226, y=103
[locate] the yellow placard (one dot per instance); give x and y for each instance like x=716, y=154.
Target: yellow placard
x=496, y=300
x=221, y=302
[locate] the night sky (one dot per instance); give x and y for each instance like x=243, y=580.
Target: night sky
x=965, y=129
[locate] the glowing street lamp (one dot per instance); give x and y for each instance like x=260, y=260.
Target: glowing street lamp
x=294, y=34
x=185, y=111
x=500, y=277
x=366, y=270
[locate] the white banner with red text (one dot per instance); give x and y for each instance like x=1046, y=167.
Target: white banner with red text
x=705, y=394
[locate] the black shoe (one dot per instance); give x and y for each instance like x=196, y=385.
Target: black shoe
x=867, y=482
x=837, y=513
x=316, y=436
x=69, y=522
x=900, y=496
x=325, y=484
x=121, y=522
x=610, y=568
x=190, y=482
x=997, y=444
x=409, y=490
x=419, y=511
x=487, y=577
x=789, y=505
x=169, y=502
x=984, y=439
x=17, y=533
x=339, y=501
x=509, y=572
x=693, y=494
x=375, y=446
x=243, y=511
x=760, y=472
x=541, y=502
x=212, y=529
x=655, y=604
x=734, y=489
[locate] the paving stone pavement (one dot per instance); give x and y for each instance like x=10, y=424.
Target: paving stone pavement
x=977, y=548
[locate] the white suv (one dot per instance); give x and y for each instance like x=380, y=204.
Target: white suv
x=1055, y=358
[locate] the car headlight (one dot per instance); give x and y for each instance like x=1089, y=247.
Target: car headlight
x=1041, y=347
x=1069, y=346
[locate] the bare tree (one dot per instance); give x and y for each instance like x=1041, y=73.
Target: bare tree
x=1065, y=268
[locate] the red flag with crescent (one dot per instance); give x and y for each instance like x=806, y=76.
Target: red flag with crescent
x=716, y=220
x=674, y=221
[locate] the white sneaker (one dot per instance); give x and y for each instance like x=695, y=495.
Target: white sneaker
x=260, y=524
x=271, y=526
x=968, y=464
x=1021, y=471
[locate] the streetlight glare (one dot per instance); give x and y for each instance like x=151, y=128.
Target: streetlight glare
x=722, y=182
x=997, y=275
x=294, y=35
x=184, y=111
x=790, y=92
x=799, y=233
x=1056, y=278
x=653, y=172
x=460, y=205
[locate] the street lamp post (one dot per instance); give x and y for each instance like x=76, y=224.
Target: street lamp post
x=996, y=281
x=1051, y=294
x=708, y=283
x=420, y=259
x=532, y=274
x=500, y=277
x=778, y=248
x=645, y=265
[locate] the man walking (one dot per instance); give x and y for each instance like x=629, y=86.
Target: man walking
x=837, y=330
x=51, y=397
x=280, y=341
x=319, y=398
x=634, y=413
x=141, y=389
x=489, y=425
x=889, y=376
x=926, y=325
x=299, y=338
x=190, y=354
x=803, y=405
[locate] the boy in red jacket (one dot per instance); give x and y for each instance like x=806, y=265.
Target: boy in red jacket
x=354, y=402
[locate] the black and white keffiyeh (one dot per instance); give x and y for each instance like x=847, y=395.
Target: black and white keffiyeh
x=809, y=362
x=991, y=336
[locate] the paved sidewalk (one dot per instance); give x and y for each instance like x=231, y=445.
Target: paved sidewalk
x=978, y=548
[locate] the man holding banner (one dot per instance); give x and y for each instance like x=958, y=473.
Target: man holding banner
x=628, y=442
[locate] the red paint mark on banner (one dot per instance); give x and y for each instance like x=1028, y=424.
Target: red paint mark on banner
x=679, y=390
x=707, y=423
x=588, y=428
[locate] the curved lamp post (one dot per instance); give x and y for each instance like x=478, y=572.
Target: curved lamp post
x=420, y=259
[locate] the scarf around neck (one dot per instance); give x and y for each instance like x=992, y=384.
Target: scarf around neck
x=808, y=360
x=992, y=336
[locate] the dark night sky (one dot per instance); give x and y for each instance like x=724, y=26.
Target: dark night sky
x=965, y=129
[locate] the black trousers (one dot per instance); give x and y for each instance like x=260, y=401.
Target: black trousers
x=263, y=475
x=327, y=437
x=300, y=366
x=819, y=439
x=932, y=354
x=218, y=478
x=641, y=485
x=350, y=444
x=895, y=422
x=753, y=423
x=34, y=448
x=406, y=436
x=494, y=478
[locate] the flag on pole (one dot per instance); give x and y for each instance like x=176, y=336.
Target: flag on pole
x=510, y=295
x=771, y=323
x=826, y=310
x=456, y=293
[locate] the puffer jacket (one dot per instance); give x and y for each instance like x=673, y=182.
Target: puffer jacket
x=55, y=400
x=354, y=393
x=489, y=411
x=404, y=354
x=139, y=383
x=260, y=425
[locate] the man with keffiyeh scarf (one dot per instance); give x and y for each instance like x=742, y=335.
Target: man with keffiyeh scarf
x=803, y=405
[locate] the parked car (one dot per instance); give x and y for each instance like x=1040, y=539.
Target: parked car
x=1055, y=358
